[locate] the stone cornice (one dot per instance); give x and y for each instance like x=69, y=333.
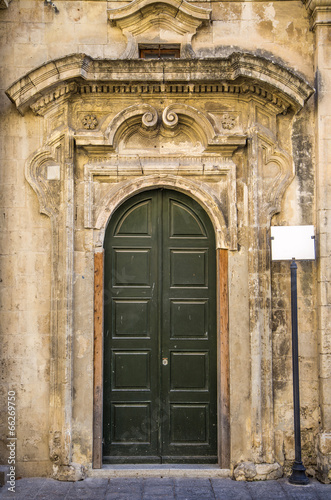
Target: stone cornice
x=312, y=4
x=60, y=77
x=319, y=11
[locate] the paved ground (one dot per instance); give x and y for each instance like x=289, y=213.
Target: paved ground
x=164, y=489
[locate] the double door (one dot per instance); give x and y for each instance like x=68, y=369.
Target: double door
x=160, y=402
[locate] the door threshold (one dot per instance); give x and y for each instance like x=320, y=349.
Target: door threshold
x=159, y=470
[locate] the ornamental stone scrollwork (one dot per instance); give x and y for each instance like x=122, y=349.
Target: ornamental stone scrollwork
x=278, y=173
x=137, y=115
x=43, y=173
x=181, y=116
x=175, y=20
x=4, y=4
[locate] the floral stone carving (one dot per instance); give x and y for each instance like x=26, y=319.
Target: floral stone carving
x=90, y=122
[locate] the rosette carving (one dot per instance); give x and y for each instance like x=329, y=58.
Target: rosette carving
x=90, y=122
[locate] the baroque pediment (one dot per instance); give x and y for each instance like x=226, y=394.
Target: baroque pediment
x=159, y=21
x=141, y=15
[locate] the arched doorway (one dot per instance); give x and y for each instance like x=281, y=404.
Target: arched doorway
x=160, y=342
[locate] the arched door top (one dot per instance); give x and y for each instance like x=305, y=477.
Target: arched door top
x=195, y=190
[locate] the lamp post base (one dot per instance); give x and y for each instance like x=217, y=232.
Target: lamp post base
x=298, y=475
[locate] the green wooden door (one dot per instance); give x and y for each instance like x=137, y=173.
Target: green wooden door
x=160, y=332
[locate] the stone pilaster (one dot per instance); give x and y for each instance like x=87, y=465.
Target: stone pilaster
x=320, y=13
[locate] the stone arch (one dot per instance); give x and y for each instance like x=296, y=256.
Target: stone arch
x=202, y=194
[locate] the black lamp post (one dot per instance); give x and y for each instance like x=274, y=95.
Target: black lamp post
x=287, y=241
x=298, y=475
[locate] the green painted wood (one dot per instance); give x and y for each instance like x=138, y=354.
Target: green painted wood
x=160, y=332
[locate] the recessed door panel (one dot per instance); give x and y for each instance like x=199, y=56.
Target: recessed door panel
x=160, y=332
x=189, y=268
x=130, y=424
x=136, y=221
x=131, y=370
x=189, y=319
x=189, y=371
x=184, y=222
x=189, y=424
x=131, y=318
x=131, y=267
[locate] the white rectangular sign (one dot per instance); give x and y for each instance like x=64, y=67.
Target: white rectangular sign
x=288, y=242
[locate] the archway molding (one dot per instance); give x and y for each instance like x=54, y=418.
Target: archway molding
x=203, y=194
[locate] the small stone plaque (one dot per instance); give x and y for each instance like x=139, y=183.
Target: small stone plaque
x=53, y=172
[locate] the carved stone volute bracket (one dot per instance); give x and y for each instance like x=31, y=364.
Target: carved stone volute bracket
x=142, y=115
x=278, y=175
x=43, y=171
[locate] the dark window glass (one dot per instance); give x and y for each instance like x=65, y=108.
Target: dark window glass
x=159, y=51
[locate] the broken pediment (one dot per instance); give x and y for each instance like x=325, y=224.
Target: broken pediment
x=144, y=21
x=176, y=127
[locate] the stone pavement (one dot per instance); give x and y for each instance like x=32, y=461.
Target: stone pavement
x=164, y=489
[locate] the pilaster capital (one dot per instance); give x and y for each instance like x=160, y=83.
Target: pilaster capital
x=319, y=12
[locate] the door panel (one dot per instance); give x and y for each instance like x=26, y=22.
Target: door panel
x=160, y=332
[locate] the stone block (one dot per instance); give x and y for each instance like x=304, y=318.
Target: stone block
x=326, y=415
x=324, y=443
x=268, y=471
x=248, y=471
x=325, y=388
x=94, y=12
x=325, y=365
x=324, y=340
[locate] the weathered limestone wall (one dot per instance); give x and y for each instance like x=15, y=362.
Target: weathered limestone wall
x=297, y=209
x=32, y=34
x=322, y=27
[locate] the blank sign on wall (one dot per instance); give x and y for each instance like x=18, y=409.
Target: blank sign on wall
x=288, y=242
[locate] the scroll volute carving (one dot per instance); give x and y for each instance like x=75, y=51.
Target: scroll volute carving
x=44, y=173
x=47, y=190
x=278, y=173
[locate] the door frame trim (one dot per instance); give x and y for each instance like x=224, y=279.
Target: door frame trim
x=223, y=368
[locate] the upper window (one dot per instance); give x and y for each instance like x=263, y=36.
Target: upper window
x=159, y=51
